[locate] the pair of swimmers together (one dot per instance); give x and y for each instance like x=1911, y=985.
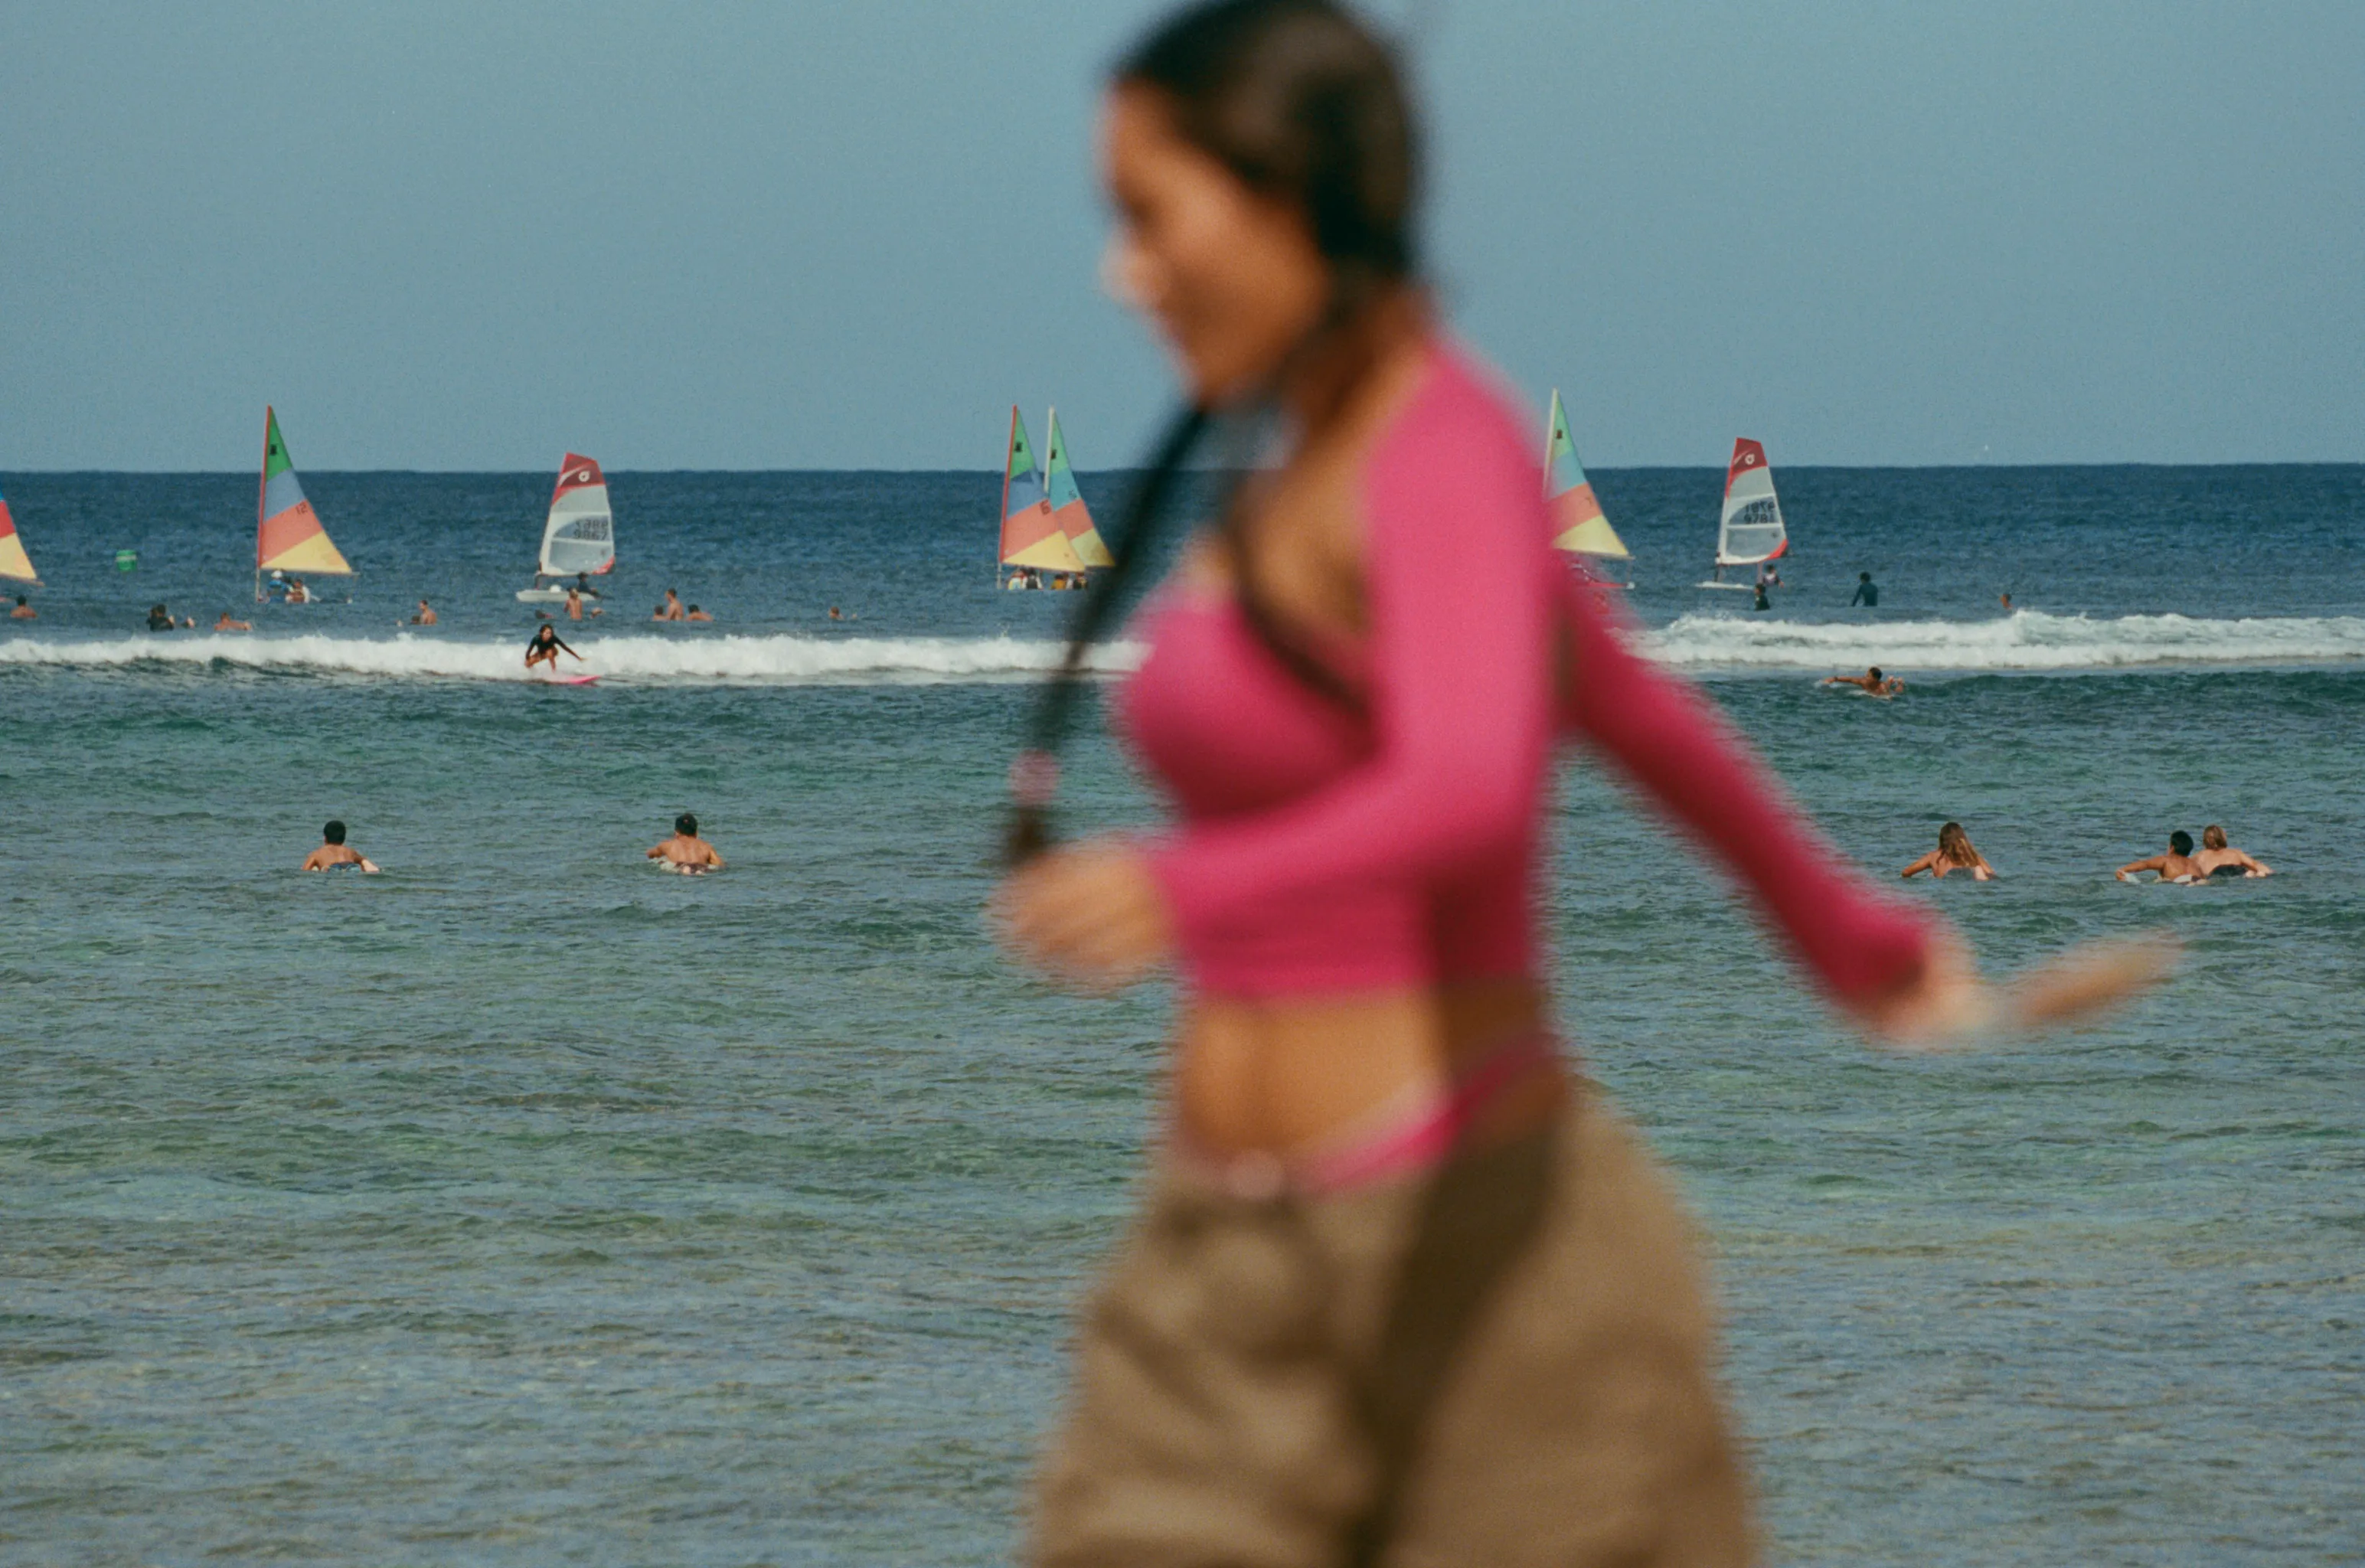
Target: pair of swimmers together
x=2217, y=858
x=685, y=852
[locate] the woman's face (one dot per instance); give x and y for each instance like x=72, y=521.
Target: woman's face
x=1231, y=278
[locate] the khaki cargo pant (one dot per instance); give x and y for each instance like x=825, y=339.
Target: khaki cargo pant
x=1504, y=1363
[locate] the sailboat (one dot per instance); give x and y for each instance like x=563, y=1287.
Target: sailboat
x=1067, y=508
x=579, y=537
x=14, y=562
x=1578, y=527
x=1750, y=530
x=1032, y=540
x=288, y=532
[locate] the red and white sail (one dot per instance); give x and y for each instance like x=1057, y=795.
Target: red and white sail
x=1750, y=528
x=579, y=535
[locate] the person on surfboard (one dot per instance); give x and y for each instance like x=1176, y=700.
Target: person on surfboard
x=685, y=851
x=2176, y=866
x=1872, y=682
x=2218, y=859
x=1955, y=853
x=545, y=647
x=335, y=852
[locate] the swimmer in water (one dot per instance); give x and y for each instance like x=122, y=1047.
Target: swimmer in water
x=1871, y=682
x=685, y=851
x=226, y=624
x=2218, y=859
x=1955, y=853
x=425, y=616
x=671, y=609
x=697, y=615
x=545, y=647
x=575, y=604
x=335, y=852
x=2176, y=866
x=23, y=612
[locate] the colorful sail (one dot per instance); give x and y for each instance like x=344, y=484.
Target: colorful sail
x=1577, y=524
x=1067, y=508
x=288, y=536
x=14, y=562
x=1031, y=536
x=579, y=536
x=1750, y=528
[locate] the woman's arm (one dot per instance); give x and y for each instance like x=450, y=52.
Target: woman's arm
x=1927, y=862
x=1691, y=762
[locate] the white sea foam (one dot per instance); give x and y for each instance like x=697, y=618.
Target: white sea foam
x=2028, y=640
x=2025, y=640
x=777, y=660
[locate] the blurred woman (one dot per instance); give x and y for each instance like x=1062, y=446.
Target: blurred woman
x=1404, y=1288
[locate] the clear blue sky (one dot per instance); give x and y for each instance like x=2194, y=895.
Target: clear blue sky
x=809, y=235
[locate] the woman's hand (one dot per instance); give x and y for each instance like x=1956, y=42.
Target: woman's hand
x=1090, y=917
x=1949, y=1004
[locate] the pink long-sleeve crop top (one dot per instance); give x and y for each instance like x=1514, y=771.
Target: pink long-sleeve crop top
x=1327, y=851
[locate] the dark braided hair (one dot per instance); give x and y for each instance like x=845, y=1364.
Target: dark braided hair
x=1303, y=104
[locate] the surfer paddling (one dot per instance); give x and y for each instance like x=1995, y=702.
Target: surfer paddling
x=545, y=647
x=1872, y=683
x=2218, y=859
x=335, y=852
x=685, y=851
x=1955, y=853
x=2176, y=866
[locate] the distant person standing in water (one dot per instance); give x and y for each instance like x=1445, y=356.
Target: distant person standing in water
x=23, y=612
x=2007, y=604
x=226, y=624
x=1955, y=853
x=671, y=609
x=425, y=616
x=2176, y=866
x=335, y=852
x=697, y=615
x=1868, y=592
x=575, y=604
x=1762, y=602
x=161, y=619
x=2218, y=859
x=685, y=851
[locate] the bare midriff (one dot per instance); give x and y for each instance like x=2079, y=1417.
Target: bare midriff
x=1286, y=1078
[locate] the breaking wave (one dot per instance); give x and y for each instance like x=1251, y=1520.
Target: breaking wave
x=777, y=660
x=2026, y=640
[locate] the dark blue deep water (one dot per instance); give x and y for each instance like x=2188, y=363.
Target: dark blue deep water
x=521, y=1205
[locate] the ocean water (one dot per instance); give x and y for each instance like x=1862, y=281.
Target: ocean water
x=523, y=1206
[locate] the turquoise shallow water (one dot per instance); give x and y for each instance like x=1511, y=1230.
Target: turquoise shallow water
x=524, y=1205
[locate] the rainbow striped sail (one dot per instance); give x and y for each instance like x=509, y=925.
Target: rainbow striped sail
x=1031, y=536
x=1067, y=508
x=14, y=562
x=1578, y=526
x=287, y=533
